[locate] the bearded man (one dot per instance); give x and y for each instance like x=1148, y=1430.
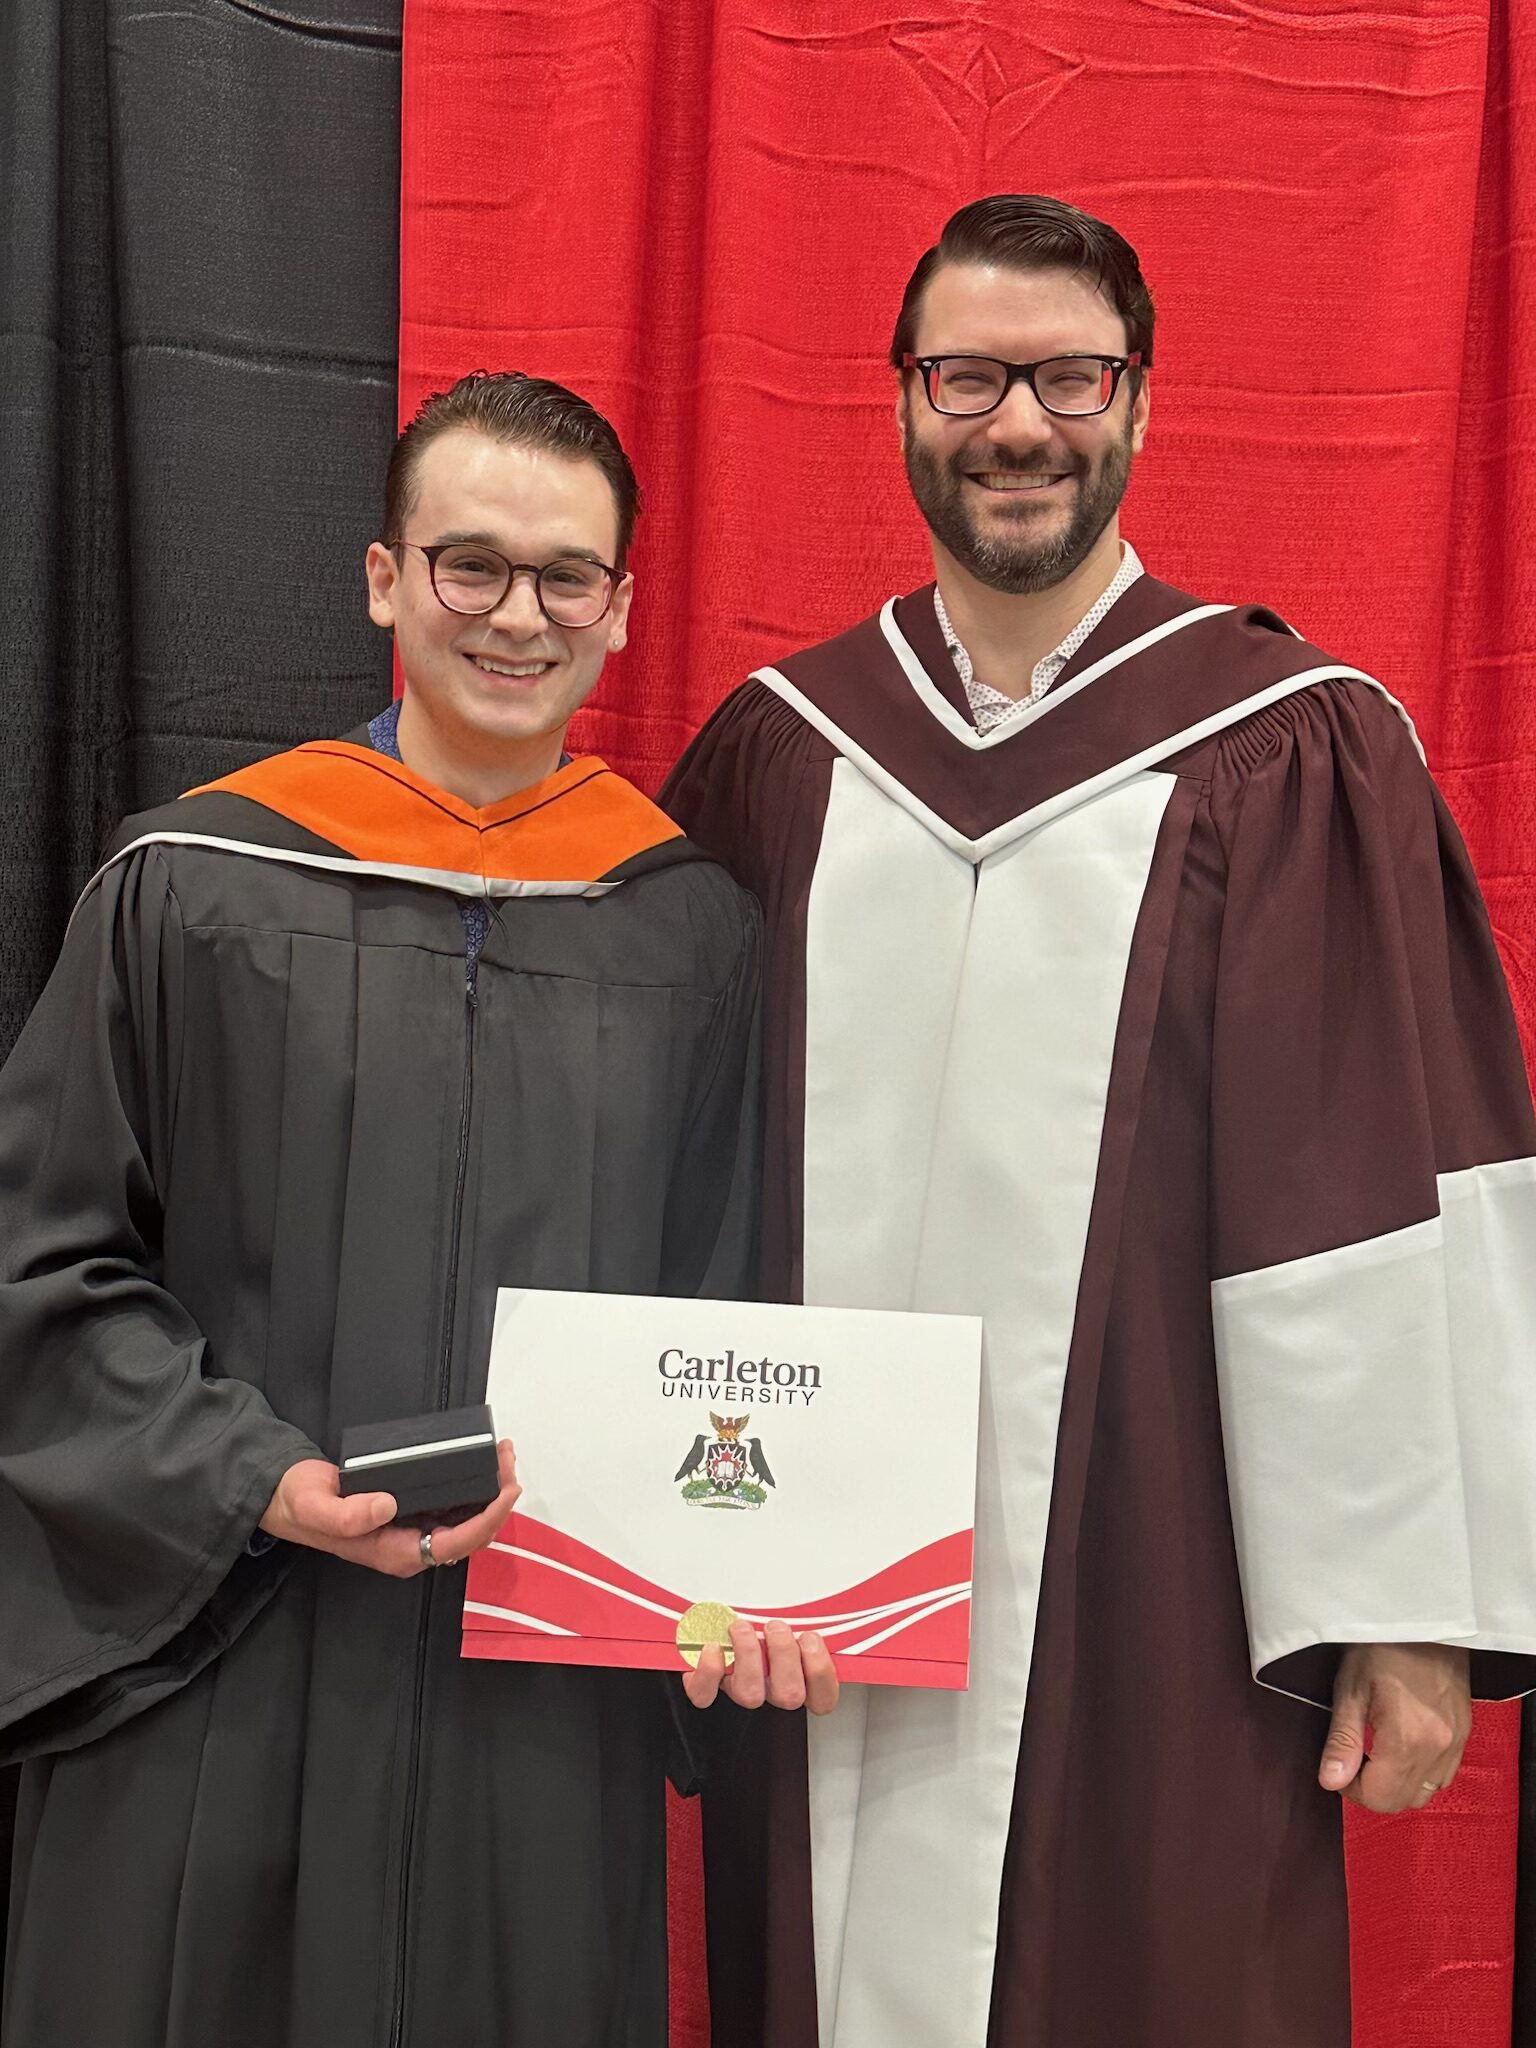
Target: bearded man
x=1129, y=986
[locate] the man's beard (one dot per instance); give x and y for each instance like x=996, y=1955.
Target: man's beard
x=1005, y=561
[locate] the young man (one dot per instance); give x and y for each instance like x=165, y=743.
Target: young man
x=336, y=1047
x=1128, y=985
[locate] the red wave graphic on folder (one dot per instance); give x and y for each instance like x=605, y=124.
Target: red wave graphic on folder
x=538, y=1595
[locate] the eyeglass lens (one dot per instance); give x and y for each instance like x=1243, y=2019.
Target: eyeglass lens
x=573, y=592
x=1067, y=384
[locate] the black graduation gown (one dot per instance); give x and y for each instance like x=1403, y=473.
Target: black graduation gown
x=264, y=1160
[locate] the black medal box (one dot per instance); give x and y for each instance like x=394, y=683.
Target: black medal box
x=439, y=1467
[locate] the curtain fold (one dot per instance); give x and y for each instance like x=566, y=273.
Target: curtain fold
x=198, y=277
x=64, y=626
x=701, y=215
x=199, y=268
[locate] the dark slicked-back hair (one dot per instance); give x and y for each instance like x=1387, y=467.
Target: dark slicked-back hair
x=523, y=412
x=1021, y=231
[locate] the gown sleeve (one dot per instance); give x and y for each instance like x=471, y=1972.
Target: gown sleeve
x=711, y=1217
x=745, y=789
x=1373, y=1209
x=131, y=1477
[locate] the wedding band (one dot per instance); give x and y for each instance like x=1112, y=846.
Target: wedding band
x=426, y=1549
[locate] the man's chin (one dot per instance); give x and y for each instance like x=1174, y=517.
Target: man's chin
x=519, y=732
x=1018, y=572
x=503, y=728
x=1025, y=512
x=527, y=711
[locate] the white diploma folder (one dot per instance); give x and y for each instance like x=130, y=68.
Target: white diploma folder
x=679, y=1457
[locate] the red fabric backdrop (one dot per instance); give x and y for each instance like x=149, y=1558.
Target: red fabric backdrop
x=701, y=214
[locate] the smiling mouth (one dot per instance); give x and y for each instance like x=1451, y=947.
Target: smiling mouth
x=1015, y=481
x=518, y=671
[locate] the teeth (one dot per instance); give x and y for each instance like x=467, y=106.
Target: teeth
x=1012, y=480
x=506, y=668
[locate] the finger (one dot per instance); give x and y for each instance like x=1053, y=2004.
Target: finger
x=339, y=1518
x=395, y=1551
x=1450, y=1763
x=507, y=1480
x=1441, y=1775
x=746, y=1684
x=822, y=1684
x=458, y=1540
x=1398, y=1772
x=1461, y=1735
x=702, y=1684
x=1391, y=1792
x=509, y=1493
x=786, y=1678
x=1344, y=1751
x=453, y=1542
x=1417, y=1744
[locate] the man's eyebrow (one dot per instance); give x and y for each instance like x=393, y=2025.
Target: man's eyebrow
x=488, y=540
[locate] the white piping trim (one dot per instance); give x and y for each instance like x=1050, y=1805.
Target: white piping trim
x=432, y=878
x=1081, y=792
x=934, y=698
x=867, y=765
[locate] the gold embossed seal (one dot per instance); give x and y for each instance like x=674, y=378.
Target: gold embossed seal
x=706, y=1621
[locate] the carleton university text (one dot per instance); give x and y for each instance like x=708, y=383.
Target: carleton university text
x=729, y=1378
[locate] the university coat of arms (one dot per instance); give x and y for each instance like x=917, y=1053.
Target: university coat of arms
x=731, y=1472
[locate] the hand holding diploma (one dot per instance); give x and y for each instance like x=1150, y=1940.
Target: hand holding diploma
x=799, y=1671
x=308, y=1508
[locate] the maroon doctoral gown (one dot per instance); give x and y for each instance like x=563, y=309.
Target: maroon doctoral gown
x=1164, y=1028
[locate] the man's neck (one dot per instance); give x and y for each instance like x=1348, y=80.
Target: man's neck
x=479, y=772
x=1007, y=636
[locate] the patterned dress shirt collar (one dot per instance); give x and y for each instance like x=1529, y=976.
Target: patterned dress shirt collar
x=989, y=707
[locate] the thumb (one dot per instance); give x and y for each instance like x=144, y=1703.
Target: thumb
x=702, y=1683
x=1344, y=1751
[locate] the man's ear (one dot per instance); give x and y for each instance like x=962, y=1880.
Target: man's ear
x=618, y=615
x=383, y=571
x=1141, y=412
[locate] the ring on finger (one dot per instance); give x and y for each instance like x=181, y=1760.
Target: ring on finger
x=426, y=1550
x=1426, y=1786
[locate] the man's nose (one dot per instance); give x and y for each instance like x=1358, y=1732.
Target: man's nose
x=1020, y=421
x=520, y=611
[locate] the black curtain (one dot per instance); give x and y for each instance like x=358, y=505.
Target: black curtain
x=198, y=301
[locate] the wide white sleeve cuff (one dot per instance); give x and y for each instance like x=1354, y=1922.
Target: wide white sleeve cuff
x=1379, y=1410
